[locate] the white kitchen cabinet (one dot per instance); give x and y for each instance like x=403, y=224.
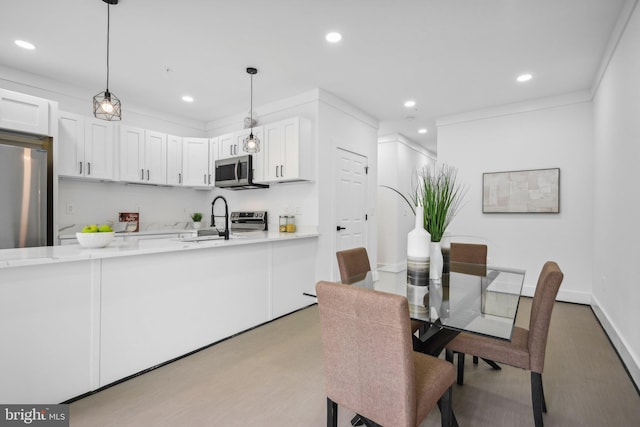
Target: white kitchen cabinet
x=24, y=113
x=228, y=146
x=293, y=268
x=85, y=147
x=174, y=160
x=196, y=158
x=143, y=156
x=288, y=151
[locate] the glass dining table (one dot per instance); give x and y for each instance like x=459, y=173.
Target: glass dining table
x=473, y=298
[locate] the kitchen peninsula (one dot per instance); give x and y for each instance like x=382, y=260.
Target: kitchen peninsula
x=74, y=320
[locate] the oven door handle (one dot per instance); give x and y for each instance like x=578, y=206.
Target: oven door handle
x=236, y=170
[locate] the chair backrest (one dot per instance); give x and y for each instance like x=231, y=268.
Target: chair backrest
x=541, y=308
x=471, y=253
x=468, y=252
x=352, y=263
x=368, y=354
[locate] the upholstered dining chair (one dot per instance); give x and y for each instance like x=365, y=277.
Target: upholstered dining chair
x=475, y=255
x=354, y=265
x=369, y=364
x=527, y=348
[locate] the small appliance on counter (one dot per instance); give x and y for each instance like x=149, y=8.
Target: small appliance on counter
x=128, y=222
x=248, y=221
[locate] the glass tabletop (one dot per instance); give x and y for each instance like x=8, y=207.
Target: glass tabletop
x=470, y=297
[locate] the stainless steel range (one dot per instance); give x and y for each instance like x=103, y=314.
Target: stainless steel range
x=248, y=221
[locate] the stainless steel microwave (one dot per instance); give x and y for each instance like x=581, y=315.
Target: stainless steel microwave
x=236, y=173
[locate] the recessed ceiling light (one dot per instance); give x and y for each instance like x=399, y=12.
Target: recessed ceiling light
x=422, y=131
x=25, y=45
x=187, y=98
x=333, y=37
x=410, y=103
x=524, y=78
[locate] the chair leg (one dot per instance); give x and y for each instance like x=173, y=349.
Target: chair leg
x=332, y=413
x=475, y=360
x=460, y=368
x=491, y=363
x=448, y=355
x=537, y=398
x=446, y=411
x=544, y=401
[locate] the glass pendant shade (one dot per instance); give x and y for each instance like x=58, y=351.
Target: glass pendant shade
x=251, y=144
x=106, y=106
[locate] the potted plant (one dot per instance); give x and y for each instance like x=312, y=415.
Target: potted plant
x=440, y=194
x=196, y=217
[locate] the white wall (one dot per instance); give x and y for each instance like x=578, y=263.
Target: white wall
x=528, y=137
x=342, y=126
x=616, y=252
x=398, y=162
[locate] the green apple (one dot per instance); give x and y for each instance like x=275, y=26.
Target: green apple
x=90, y=228
x=104, y=228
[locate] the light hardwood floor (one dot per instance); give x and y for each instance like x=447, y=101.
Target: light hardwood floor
x=272, y=376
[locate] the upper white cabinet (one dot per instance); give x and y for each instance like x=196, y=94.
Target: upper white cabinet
x=143, y=156
x=228, y=146
x=288, y=150
x=197, y=155
x=174, y=160
x=85, y=147
x=24, y=113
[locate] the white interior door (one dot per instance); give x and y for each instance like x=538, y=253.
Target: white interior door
x=351, y=207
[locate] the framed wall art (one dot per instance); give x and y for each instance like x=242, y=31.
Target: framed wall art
x=525, y=191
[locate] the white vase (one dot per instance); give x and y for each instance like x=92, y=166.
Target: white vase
x=437, y=262
x=197, y=225
x=418, y=252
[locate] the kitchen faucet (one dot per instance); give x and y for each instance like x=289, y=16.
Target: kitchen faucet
x=224, y=233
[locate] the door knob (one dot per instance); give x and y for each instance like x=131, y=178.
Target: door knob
x=338, y=228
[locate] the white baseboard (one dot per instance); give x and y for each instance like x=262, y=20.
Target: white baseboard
x=563, y=295
x=618, y=341
x=393, y=267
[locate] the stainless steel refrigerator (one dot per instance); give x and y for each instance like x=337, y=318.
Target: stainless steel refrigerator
x=25, y=192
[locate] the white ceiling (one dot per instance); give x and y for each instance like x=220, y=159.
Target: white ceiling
x=450, y=56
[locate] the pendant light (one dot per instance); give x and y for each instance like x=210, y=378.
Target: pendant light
x=251, y=144
x=106, y=106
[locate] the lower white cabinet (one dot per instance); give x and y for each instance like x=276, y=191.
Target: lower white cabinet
x=47, y=319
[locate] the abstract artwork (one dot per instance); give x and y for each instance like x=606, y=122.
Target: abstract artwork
x=526, y=191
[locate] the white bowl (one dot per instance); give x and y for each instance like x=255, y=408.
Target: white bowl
x=95, y=240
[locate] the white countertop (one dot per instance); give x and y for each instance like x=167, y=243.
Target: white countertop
x=67, y=253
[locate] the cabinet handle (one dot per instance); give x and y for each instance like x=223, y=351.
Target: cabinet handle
x=276, y=171
x=205, y=178
x=80, y=168
x=141, y=174
x=209, y=179
x=179, y=178
x=88, y=168
x=147, y=174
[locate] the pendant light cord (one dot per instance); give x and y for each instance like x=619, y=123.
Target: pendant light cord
x=108, y=27
x=251, y=107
